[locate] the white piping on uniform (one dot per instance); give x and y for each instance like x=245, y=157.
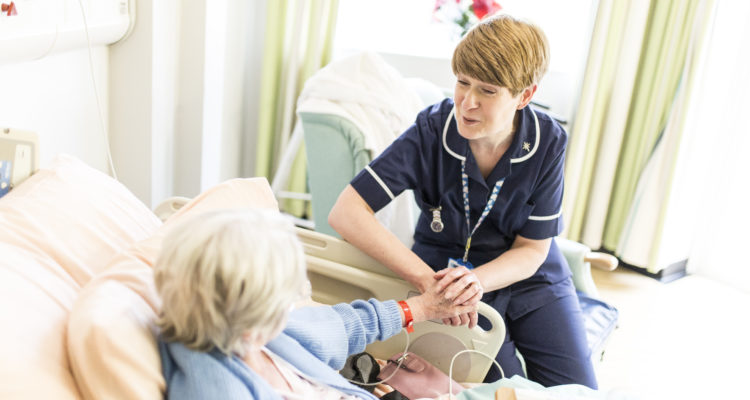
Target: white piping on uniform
x=445, y=133
x=512, y=160
x=536, y=143
x=545, y=218
x=380, y=182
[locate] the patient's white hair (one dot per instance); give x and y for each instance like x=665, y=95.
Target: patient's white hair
x=227, y=276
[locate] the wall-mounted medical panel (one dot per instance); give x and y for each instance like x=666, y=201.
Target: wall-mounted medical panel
x=19, y=157
x=32, y=29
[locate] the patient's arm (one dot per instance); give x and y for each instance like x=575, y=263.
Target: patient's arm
x=333, y=333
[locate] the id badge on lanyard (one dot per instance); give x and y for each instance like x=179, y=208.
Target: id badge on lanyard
x=457, y=262
x=490, y=202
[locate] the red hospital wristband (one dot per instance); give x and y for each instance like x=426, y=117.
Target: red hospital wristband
x=408, y=319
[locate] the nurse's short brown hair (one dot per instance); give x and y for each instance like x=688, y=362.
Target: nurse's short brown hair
x=503, y=51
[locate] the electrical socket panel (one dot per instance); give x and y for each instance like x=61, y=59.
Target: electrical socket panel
x=22, y=162
x=19, y=157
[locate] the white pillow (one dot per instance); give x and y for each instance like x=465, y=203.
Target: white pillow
x=35, y=298
x=59, y=228
x=76, y=215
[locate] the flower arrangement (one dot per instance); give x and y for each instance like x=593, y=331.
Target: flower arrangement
x=464, y=13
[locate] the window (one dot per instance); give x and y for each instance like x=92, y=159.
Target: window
x=407, y=35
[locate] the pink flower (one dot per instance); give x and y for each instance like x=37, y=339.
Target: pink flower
x=482, y=8
x=464, y=13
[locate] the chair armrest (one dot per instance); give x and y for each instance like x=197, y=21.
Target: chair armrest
x=575, y=254
x=603, y=261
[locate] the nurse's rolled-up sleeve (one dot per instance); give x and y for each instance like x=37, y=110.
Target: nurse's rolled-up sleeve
x=546, y=220
x=395, y=170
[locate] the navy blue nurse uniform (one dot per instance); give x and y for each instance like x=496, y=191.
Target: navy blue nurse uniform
x=541, y=313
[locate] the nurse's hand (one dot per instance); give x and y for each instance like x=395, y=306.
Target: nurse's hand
x=464, y=288
x=432, y=304
x=461, y=287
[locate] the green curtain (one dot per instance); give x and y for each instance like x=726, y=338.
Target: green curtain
x=589, y=124
x=662, y=63
x=635, y=73
x=298, y=42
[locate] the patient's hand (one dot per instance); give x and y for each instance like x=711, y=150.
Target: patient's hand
x=470, y=319
x=438, y=300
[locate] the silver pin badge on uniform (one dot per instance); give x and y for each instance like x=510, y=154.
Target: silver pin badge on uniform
x=437, y=223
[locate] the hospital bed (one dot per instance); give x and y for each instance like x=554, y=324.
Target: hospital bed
x=77, y=285
x=339, y=272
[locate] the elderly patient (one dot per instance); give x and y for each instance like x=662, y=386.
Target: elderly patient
x=229, y=281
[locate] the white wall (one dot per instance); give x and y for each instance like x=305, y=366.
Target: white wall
x=179, y=97
x=48, y=74
x=174, y=98
x=54, y=97
x=131, y=124
x=255, y=26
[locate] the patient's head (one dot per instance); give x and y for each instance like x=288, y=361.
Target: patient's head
x=503, y=51
x=228, y=279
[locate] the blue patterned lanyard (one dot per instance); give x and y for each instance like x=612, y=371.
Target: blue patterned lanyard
x=487, y=208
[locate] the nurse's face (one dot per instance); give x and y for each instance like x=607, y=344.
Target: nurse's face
x=485, y=111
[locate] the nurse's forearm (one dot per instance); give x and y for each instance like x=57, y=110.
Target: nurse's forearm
x=516, y=264
x=353, y=219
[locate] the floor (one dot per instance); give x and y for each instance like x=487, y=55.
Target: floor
x=687, y=339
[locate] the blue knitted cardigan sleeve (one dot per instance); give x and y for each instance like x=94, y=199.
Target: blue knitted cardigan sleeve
x=333, y=333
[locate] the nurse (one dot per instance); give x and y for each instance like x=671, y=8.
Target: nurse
x=487, y=174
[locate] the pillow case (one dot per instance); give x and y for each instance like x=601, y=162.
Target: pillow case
x=76, y=215
x=111, y=331
x=59, y=227
x=37, y=296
